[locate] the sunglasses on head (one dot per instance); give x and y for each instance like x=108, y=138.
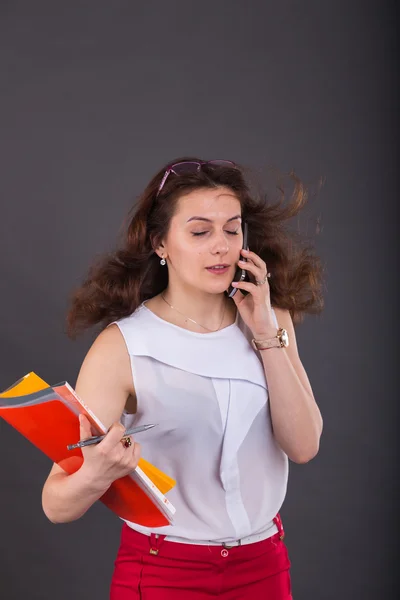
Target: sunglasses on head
x=193, y=166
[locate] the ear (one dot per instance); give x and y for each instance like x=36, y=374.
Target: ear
x=160, y=252
x=158, y=247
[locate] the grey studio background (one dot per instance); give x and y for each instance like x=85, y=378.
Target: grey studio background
x=95, y=97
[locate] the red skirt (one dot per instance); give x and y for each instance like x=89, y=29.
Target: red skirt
x=150, y=568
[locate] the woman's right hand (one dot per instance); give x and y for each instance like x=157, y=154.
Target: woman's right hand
x=110, y=459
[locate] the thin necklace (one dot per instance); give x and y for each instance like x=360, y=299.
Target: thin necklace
x=192, y=320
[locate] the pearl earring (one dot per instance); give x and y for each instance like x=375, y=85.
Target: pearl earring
x=163, y=261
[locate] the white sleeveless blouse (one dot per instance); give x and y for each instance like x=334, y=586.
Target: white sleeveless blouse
x=209, y=396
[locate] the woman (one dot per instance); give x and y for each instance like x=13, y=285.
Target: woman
x=231, y=398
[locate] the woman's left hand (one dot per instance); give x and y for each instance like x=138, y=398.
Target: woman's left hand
x=255, y=308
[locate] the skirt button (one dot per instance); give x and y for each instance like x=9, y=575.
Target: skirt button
x=224, y=553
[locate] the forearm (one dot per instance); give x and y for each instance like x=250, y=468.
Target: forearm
x=66, y=497
x=296, y=419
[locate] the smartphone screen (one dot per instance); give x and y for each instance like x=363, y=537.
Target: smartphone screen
x=240, y=274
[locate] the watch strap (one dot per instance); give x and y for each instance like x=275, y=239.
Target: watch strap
x=274, y=342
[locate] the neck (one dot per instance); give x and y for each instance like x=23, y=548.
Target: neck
x=209, y=311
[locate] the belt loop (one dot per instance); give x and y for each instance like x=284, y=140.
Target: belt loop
x=155, y=542
x=224, y=544
x=278, y=522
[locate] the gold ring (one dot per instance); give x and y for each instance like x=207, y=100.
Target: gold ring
x=126, y=442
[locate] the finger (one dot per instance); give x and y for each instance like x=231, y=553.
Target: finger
x=132, y=455
x=252, y=288
x=252, y=268
x=85, y=430
x=129, y=457
x=238, y=297
x=113, y=437
x=257, y=260
x=136, y=454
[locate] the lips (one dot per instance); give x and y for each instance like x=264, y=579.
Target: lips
x=218, y=266
x=218, y=269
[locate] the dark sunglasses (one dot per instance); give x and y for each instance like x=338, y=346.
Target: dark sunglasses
x=193, y=166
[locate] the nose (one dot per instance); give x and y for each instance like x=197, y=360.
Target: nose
x=220, y=244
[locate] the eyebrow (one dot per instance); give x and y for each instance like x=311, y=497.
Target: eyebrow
x=210, y=220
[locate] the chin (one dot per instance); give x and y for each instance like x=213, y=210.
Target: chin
x=217, y=288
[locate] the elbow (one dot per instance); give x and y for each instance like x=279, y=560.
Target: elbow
x=50, y=516
x=310, y=451
x=46, y=508
x=50, y=512
x=303, y=456
x=54, y=518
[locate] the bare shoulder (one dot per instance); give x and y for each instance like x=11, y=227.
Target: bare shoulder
x=108, y=355
x=110, y=338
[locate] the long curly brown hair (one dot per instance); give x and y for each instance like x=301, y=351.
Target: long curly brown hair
x=120, y=281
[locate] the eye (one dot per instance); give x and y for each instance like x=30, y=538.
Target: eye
x=198, y=233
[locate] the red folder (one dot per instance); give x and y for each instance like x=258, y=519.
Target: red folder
x=48, y=417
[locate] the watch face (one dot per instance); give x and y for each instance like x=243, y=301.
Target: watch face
x=284, y=337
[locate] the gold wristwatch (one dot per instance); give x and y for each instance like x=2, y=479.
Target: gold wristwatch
x=281, y=340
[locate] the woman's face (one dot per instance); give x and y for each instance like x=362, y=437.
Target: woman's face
x=204, y=240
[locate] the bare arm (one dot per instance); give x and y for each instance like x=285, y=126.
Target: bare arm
x=296, y=419
x=104, y=383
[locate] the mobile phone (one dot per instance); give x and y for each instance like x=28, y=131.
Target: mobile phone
x=240, y=274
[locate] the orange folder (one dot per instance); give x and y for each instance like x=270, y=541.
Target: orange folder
x=48, y=417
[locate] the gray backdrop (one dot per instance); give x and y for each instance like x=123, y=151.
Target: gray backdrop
x=96, y=96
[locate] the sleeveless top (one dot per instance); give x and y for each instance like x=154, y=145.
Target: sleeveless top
x=209, y=396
